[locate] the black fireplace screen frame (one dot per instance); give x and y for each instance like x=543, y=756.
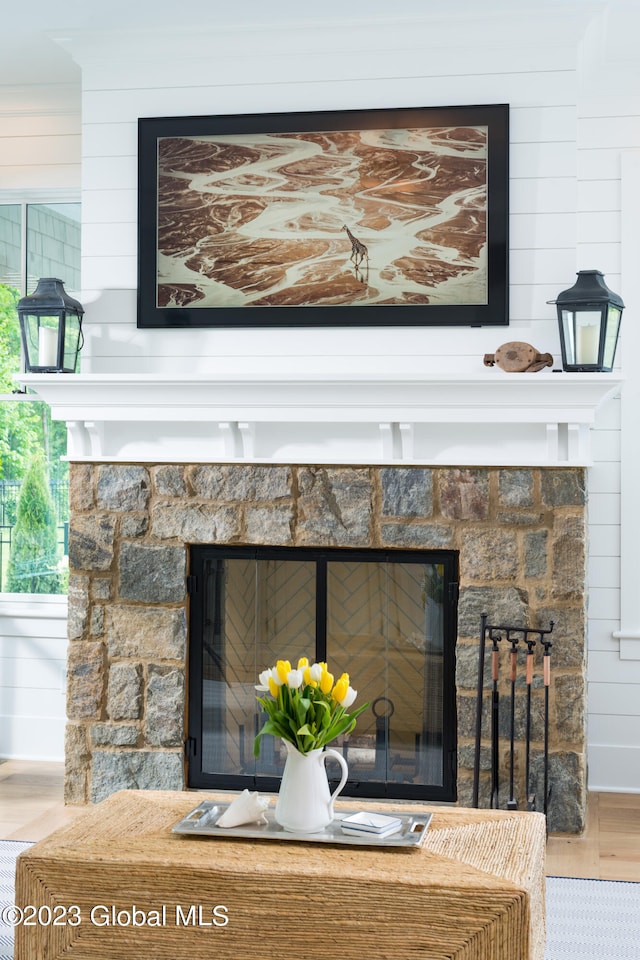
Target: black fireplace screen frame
x=204, y=559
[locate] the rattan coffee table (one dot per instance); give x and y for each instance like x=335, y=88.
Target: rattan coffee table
x=117, y=884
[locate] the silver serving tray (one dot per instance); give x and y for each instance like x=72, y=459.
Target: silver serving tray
x=201, y=822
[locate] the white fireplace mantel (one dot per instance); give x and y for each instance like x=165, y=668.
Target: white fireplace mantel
x=488, y=418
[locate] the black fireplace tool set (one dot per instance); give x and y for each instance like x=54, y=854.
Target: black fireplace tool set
x=494, y=635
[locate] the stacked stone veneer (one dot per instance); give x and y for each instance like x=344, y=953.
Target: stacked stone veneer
x=520, y=534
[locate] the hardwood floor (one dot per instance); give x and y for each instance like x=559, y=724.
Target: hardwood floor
x=609, y=849
x=31, y=800
x=31, y=807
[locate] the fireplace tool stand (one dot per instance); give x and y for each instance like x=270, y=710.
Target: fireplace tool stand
x=512, y=635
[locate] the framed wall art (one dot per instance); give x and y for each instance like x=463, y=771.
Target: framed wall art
x=349, y=218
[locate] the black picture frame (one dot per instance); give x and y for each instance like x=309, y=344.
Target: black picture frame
x=239, y=218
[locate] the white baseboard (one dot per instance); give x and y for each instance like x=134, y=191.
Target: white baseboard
x=613, y=768
x=32, y=738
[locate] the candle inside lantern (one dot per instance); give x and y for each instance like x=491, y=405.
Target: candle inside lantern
x=587, y=343
x=47, y=347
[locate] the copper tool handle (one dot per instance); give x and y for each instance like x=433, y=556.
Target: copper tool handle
x=529, y=677
x=514, y=665
x=546, y=660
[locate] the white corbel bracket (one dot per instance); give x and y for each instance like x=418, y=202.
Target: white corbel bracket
x=239, y=439
x=568, y=443
x=85, y=439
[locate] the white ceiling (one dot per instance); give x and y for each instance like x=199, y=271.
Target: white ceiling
x=30, y=54
x=38, y=75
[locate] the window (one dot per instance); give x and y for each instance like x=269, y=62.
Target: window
x=36, y=240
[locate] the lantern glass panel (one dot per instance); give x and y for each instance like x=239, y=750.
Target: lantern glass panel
x=568, y=335
x=72, y=341
x=582, y=336
x=42, y=340
x=613, y=326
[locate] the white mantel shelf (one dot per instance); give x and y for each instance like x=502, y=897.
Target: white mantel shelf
x=488, y=418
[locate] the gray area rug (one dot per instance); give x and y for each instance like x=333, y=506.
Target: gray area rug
x=592, y=919
x=9, y=850
x=586, y=919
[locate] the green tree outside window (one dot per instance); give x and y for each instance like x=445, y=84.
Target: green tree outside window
x=33, y=565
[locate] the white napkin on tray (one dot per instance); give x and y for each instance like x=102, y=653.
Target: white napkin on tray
x=247, y=808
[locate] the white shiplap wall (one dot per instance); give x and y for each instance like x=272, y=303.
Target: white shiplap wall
x=565, y=216
x=39, y=142
x=33, y=652
x=608, y=136
x=337, y=66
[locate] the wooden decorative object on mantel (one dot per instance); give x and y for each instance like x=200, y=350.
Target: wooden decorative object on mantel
x=518, y=357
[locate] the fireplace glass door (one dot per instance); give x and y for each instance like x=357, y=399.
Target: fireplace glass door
x=386, y=618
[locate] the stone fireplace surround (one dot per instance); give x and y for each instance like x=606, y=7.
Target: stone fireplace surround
x=520, y=534
x=448, y=468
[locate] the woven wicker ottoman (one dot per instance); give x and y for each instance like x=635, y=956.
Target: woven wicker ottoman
x=117, y=884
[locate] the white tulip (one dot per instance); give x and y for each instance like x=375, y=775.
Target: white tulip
x=315, y=672
x=348, y=698
x=294, y=679
x=275, y=676
x=264, y=680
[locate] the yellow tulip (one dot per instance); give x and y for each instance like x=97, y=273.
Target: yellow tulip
x=273, y=688
x=342, y=685
x=303, y=662
x=327, y=681
x=283, y=667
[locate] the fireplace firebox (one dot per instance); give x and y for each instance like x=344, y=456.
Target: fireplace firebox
x=386, y=617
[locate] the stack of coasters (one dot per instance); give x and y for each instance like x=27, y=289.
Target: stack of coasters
x=370, y=824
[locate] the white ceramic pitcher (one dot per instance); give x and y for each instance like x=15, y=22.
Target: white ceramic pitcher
x=304, y=804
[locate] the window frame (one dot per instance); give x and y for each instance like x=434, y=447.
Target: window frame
x=32, y=604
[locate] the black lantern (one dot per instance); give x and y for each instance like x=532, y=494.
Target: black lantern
x=589, y=319
x=51, y=327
